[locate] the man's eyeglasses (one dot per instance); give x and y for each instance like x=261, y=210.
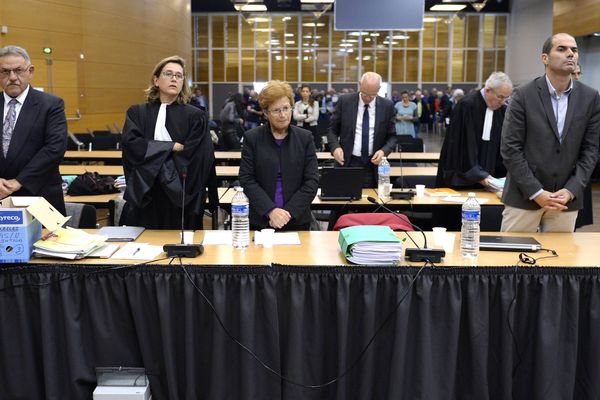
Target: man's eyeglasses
x=367, y=95
x=170, y=75
x=18, y=71
x=501, y=98
x=282, y=110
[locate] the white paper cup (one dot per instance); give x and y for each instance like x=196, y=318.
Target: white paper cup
x=267, y=235
x=448, y=242
x=439, y=233
x=188, y=237
x=420, y=189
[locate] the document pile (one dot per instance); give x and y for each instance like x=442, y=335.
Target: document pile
x=441, y=192
x=495, y=184
x=370, y=245
x=68, y=243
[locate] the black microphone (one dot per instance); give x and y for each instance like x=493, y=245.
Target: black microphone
x=182, y=249
x=419, y=254
x=402, y=195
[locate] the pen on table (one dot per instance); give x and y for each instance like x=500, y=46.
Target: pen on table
x=136, y=251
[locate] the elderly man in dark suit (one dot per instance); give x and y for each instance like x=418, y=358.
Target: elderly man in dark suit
x=34, y=133
x=361, y=130
x=549, y=144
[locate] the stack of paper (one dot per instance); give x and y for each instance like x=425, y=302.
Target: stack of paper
x=496, y=184
x=370, y=245
x=121, y=233
x=68, y=243
x=441, y=192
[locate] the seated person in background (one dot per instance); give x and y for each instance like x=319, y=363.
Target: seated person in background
x=470, y=155
x=457, y=96
x=163, y=140
x=278, y=169
x=253, y=112
x=232, y=123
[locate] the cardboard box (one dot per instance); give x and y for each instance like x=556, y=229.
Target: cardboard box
x=19, y=230
x=21, y=220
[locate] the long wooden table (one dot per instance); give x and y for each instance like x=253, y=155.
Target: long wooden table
x=311, y=317
x=490, y=199
x=234, y=156
x=97, y=200
x=224, y=171
x=322, y=248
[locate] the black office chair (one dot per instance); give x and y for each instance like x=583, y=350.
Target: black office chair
x=84, y=138
x=410, y=144
x=83, y=216
x=491, y=218
x=104, y=140
x=423, y=219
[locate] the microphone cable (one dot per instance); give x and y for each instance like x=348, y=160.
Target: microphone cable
x=382, y=205
x=279, y=374
x=527, y=260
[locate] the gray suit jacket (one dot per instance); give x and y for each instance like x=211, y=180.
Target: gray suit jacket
x=342, y=126
x=533, y=154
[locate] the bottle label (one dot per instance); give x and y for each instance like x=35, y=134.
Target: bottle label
x=470, y=215
x=384, y=169
x=240, y=209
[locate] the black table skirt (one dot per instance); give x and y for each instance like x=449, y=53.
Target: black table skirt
x=460, y=333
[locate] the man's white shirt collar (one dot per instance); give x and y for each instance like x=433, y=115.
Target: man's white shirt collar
x=20, y=98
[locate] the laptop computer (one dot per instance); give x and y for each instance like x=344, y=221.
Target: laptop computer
x=508, y=243
x=341, y=183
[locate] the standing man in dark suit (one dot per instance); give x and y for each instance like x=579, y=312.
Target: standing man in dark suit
x=34, y=133
x=549, y=144
x=361, y=130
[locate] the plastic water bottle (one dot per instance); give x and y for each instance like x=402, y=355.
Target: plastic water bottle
x=240, y=223
x=383, y=185
x=469, y=234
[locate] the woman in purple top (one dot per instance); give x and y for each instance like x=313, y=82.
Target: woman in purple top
x=278, y=169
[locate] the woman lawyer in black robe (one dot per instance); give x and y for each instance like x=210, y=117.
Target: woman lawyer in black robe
x=164, y=141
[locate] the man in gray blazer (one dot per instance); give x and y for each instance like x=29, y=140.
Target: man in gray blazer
x=357, y=141
x=549, y=144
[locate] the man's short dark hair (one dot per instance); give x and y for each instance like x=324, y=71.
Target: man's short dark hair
x=547, y=47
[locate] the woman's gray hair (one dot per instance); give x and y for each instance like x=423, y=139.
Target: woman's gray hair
x=498, y=79
x=16, y=51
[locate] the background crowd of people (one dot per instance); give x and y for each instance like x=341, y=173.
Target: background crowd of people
x=418, y=110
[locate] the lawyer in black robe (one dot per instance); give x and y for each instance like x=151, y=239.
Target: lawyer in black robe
x=154, y=169
x=466, y=159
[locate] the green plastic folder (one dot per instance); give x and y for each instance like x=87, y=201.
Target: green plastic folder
x=364, y=233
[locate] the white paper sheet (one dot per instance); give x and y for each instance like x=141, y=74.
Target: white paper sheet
x=137, y=251
x=217, y=237
x=280, y=238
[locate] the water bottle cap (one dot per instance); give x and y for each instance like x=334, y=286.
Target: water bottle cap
x=471, y=194
x=239, y=189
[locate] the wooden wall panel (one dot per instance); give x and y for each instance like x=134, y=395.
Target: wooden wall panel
x=576, y=17
x=103, y=50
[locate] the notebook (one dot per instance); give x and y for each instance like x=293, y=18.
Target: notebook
x=509, y=243
x=121, y=233
x=341, y=183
